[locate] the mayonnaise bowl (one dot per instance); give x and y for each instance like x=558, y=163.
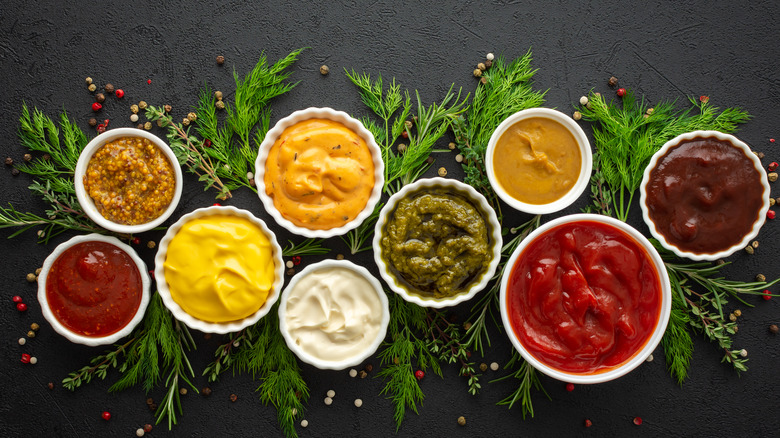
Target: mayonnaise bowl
x=333, y=314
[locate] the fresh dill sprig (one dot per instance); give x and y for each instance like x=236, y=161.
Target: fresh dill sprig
x=398, y=354
x=309, y=246
x=53, y=172
x=248, y=112
x=408, y=162
x=261, y=350
x=160, y=345
x=677, y=342
x=507, y=88
x=529, y=380
x=356, y=238
x=627, y=136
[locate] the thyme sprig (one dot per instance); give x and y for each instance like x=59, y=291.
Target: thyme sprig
x=422, y=131
x=529, y=380
x=261, y=350
x=508, y=88
x=627, y=136
x=444, y=339
x=158, y=347
x=309, y=246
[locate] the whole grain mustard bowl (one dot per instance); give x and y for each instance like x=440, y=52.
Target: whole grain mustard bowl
x=333, y=314
x=585, y=298
x=437, y=242
x=128, y=180
x=539, y=161
x=219, y=269
x=319, y=172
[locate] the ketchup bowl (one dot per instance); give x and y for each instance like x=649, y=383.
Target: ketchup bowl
x=585, y=298
x=704, y=195
x=93, y=289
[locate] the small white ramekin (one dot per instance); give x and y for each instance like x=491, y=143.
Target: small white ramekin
x=329, y=114
x=91, y=341
x=479, y=202
x=586, y=165
x=199, y=324
x=761, y=214
x=88, y=205
x=347, y=361
x=635, y=360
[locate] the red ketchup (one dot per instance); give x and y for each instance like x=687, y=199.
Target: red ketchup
x=584, y=297
x=94, y=289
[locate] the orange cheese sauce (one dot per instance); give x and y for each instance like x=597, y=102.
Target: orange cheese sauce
x=320, y=174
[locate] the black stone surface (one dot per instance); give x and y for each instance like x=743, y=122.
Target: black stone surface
x=664, y=50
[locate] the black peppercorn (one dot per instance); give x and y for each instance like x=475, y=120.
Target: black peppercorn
x=92, y=122
x=612, y=81
x=206, y=391
x=27, y=157
x=233, y=398
x=46, y=157
x=50, y=385
x=488, y=63
x=109, y=88
x=774, y=329
x=220, y=60
x=15, y=172
x=9, y=161
x=100, y=97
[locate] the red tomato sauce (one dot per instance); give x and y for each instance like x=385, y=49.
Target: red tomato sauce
x=94, y=288
x=584, y=297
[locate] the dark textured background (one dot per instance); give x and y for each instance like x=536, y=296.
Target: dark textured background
x=664, y=50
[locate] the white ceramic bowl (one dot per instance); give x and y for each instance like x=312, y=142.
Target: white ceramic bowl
x=91, y=340
x=199, y=324
x=586, y=166
x=494, y=230
x=89, y=206
x=329, y=114
x=761, y=218
x=347, y=361
x=635, y=360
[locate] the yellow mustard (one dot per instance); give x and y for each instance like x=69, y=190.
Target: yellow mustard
x=220, y=268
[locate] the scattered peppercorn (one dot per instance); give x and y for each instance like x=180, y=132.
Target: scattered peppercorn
x=96, y=106
x=490, y=56
x=481, y=66
x=638, y=420
x=419, y=374
x=289, y=264
x=92, y=88
x=339, y=256
x=649, y=358
x=754, y=244
x=584, y=100
x=120, y=93
x=770, y=214
x=577, y=115
x=369, y=367
x=9, y=161
x=50, y=385
x=483, y=367
x=738, y=312
x=15, y=172
x=106, y=415
x=27, y=157
x=134, y=108
x=328, y=401
x=88, y=80
x=206, y=391
x=353, y=373
x=732, y=317
x=772, y=202
x=148, y=125
x=304, y=423
x=183, y=391
x=743, y=353
x=233, y=398
x=100, y=97
x=147, y=428
x=588, y=423
x=220, y=60
x=291, y=272
x=461, y=421
x=612, y=81
x=31, y=278
x=33, y=360
x=30, y=334
x=133, y=118
x=772, y=176
x=140, y=126
x=363, y=374
x=774, y=329
x=494, y=366
x=220, y=105
x=25, y=358
x=442, y=171
x=139, y=432
x=767, y=295
x=749, y=249
x=358, y=402
x=331, y=393
x=22, y=341
x=401, y=148
x=477, y=73
x=109, y=88
x=142, y=104
x=621, y=92
x=569, y=387
x=150, y=244
x=324, y=70
x=153, y=407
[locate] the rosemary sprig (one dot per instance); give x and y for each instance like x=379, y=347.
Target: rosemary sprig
x=356, y=239
x=423, y=131
x=261, y=350
x=529, y=380
x=159, y=346
x=627, y=137
x=506, y=90
x=309, y=246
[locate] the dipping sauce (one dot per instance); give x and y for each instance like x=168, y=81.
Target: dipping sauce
x=94, y=289
x=584, y=297
x=704, y=195
x=537, y=160
x=333, y=314
x=436, y=243
x=320, y=174
x=130, y=181
x=220, y=268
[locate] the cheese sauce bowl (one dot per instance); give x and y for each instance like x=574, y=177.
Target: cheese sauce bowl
x=319, y=172
x=108, y=307
x=437, y=242
x=704, y=195
x=585, y=298
x=136, y=179
x=333, y=314
x=219, y=269
x=539, y=161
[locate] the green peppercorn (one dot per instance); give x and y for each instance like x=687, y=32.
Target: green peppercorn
x=324, y=70
x=142, y=104
x=148, y=125
x=30, y=334
x=92, y=88
x=481, y=66
x=31, y=278
x=27, y=157
x=461, y=421
x=577, y=115
x=185, y=122
x=35, y=326
x=220, y=105
x=192, y=116
x=89, y=80
x=134, y=109
x=772, y=176
x=760, y=277
x=218, y=95
x=477, y=73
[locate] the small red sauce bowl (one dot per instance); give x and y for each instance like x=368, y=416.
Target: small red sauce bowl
x=49, y=313
x=575, y=299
